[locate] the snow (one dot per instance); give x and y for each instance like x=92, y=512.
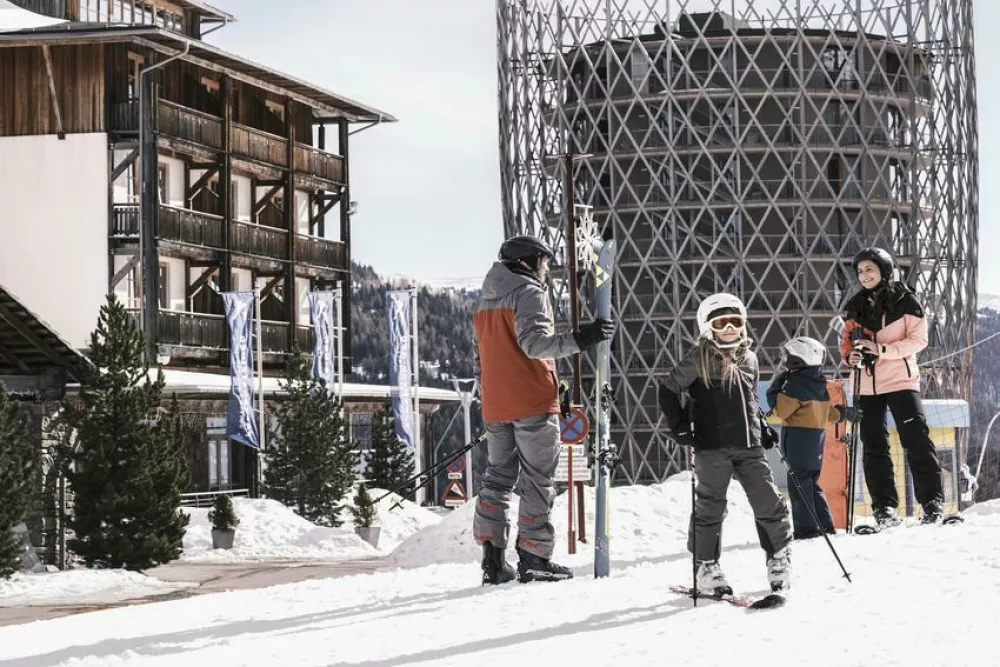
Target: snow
x=13, y=18
x=397, y=523
x=270, y=531
x=920, y=596
x=91, y=587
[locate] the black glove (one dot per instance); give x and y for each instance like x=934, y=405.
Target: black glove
x=851, y=414
x=768, y=435
x=684, y=434
x=594, y=333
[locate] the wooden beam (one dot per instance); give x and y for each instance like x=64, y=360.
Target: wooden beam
x=327, y=204
x=269, y=287
x=124, y=164
x=52, y=91
x=196, y=187
x=13, y=360
x=268, y=196
x=202, y=281
x=265, y=183
x=124, y=271
x=19, y=326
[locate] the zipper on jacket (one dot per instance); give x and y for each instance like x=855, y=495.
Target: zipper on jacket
x=908, y=374
x=743, y=401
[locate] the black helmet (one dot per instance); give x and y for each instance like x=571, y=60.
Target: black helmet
x=524, y=247
x=881, y=258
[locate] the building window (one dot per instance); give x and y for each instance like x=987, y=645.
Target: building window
x=163, y=182
x=218, y=464
x=132, y=289
x=162, y=287
x=234, y=199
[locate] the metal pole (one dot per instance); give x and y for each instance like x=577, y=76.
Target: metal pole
x=467, y=397
x=417, y=448
x=260, y=390
x=340, y=347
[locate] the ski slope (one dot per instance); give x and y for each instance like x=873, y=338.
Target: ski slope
x=921, y=596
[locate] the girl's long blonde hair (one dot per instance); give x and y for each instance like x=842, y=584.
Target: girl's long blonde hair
x=708, y=357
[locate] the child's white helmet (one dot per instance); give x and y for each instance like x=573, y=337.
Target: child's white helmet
x=726, y=309
x=804, y=351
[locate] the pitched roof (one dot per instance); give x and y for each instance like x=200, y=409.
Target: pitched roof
x=28, y=346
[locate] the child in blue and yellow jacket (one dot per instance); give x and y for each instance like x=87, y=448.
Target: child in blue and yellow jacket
x=799, y=398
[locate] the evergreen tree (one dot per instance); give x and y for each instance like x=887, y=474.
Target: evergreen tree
x=363, y=510
x=390, y=461
x=128, y=468
x=310, y=465
x=20, y=459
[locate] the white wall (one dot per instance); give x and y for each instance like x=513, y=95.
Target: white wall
x=176, y=286
x=243, y=197
x=120, y=191
x=54, y=228
x=241, y=280
x=302, y=212
x=302, y=293
x=176, y=188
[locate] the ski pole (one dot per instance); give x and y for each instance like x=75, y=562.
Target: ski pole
x=852, y=451
x=812, y=512
x=434, y=469
x=694, y=533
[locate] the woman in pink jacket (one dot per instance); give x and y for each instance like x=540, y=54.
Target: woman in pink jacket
x=885, y=329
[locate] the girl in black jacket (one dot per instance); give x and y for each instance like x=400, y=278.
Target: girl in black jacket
x=720, y=420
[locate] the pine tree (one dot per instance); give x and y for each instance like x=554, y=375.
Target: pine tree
x=128, y=467
x=310, y=463
x=390, y=461
x=363, y=510
x=20, y=459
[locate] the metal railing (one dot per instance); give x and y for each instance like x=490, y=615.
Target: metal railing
x=207, y=498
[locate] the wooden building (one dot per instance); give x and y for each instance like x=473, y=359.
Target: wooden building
x=140, y=159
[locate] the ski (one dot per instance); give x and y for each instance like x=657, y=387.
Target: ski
x=769, y=601
x=872, y=529
x=606, y=454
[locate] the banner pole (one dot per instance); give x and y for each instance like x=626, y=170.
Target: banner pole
x=260, y=393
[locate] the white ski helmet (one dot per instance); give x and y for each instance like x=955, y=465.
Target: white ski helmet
x=717, y=306
x=804, y=351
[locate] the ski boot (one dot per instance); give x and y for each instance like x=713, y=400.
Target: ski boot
x=886, y=517
x=933, y=512
x=711, y=580
x=531, y=567
x=779, y=571
x=496, y=569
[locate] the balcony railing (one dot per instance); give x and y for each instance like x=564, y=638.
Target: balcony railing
x=258, y=145
x=320, y=252
x=191, y=329
x=319, y=163
x=125, y=116
x=192, y=227
x=184, y=123
x=211, y=331
x=259, y=240
x=305, y=338
x=124, y=220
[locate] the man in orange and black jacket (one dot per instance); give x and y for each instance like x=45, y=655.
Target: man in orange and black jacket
x=516, y=347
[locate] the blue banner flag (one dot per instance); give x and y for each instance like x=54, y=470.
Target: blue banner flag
x=241, y=419
x=400, y=368
x=322, y=307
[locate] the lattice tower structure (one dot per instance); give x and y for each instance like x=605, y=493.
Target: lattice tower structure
x=749, y=147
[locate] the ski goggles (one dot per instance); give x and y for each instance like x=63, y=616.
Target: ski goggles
x=724, y=322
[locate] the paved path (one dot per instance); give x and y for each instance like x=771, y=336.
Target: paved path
x=211, y=578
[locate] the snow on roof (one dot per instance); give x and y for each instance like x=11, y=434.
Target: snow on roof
x=14, y=18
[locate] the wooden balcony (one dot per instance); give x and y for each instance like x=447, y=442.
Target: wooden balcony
x=190, y=227
x=211, y=331
x=124, y=116
x=259, y=145
x=319, y=163
x=320, y=252
x=124, y=221
x=259, y=240
x=187, y=124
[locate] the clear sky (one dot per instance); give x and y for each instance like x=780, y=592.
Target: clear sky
x=428, y=187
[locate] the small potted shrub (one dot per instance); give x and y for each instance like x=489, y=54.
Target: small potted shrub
x=224, y=522
x=365, y=514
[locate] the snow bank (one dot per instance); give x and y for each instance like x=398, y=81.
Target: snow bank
x=270, y=531
x=646, y=521
x=91, y=587
x=397, y=523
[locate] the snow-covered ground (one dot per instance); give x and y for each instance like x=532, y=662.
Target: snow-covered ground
x=921, y=596
x=270, y=531
x=72, y=587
